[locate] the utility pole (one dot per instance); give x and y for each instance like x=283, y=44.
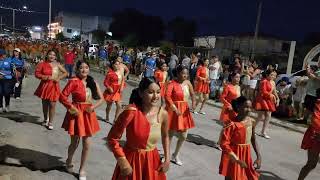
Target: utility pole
x=49, y=37
x=1, y=29
x=13, y=20
x=256, y=32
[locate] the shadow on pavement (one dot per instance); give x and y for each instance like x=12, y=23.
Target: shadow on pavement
x=199, y=140
x=219, y=122
x=266, y=175
x=21, y=117
x=33, y=160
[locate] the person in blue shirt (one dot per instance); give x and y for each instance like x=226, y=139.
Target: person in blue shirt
x=19, y=71
x=150, y=66
x=6, y=76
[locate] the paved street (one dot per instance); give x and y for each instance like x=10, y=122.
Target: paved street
x=29, y=151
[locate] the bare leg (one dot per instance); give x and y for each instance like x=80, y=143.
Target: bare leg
x=198, y=100
x=118, y=110
x=205, y=98
x=261, y=117
x=266, y=122
x=313, y=159
x=182, y=137
x=74, y=142
x=108, y=109
x=52, y=111
x=45, y=109
x=84, y=155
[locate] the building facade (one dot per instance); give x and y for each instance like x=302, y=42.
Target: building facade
x=72, y=24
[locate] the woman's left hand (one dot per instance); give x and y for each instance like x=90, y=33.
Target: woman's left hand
x=164, y=167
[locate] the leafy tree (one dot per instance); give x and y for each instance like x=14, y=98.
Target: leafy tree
x=99, y=36
x=130, y=40
x=182, y=31
x=166, y=47
x=76, y=38
x=60, y=36
x=149, y=30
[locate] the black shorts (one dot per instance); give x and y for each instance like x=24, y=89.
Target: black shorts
x=309, y=102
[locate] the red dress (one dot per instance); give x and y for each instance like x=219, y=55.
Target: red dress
x=234, y=141
x=47, y=89
x=112, y=80
x=202, y=86
x=308, y=142
x=264, y=101
x=178, y=94
x=229, y=93
x=140, y=149
x=160, y=77
x=84, y=124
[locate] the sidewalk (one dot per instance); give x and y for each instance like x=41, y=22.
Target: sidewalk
x=274, y=121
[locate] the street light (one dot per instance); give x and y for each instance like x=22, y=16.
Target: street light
x=25, y=7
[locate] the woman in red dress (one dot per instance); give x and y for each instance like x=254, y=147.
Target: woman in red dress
x=161, y=76
x=81, y=120
x=114, y=85
x=230, y=92
x=202, y=85
x=311, y=141
x=265, y=102
x=236, y=162
x=145, y=123
x=50, y=72
x=180, y=119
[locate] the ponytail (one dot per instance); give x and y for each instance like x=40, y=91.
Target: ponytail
x=93, y=87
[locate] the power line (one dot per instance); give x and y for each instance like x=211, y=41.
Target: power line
x=22, y=10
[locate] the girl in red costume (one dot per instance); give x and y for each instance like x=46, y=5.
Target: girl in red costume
x=311, y=141
x=265, y=102
x=50, y=72
x=180, y=119
x=236, y=162
x=80, y=120
x=145, y=123
x=114, y=85
x=161, y=76
x=202, y=85
x=230, y=92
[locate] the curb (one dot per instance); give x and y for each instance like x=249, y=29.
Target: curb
x=274, y=121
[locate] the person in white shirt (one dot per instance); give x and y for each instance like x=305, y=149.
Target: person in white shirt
x=186, y=61
x=214, y=73
x=172, y=64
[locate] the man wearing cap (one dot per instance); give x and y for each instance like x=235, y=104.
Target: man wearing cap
x=19, y=71
x=150, y=66
x=5, y=81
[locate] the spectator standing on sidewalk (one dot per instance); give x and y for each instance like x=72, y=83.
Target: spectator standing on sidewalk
x=214, y=72
x=103, y=57
x=150, y=66
x=6, y=71
x=19, y=72
x=193, y=68
x=172, y=64
x=69, y=58
x=299, y=95
x=313, y=84
x=186, y=61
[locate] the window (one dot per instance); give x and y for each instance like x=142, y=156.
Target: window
x=69, y=30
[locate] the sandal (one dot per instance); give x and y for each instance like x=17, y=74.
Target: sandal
x=82, y=176
x=50, y=126
x=45, y=122
x=69, y=168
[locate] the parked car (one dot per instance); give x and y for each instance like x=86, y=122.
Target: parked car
x=93, y=50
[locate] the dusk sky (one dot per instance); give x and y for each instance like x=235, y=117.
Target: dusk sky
x=289, y=19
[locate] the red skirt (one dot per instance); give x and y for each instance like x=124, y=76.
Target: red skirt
x=202, y=87
x=182, y=122
x=112, y=97
x=162, y=88
x=308, y=142
x=262, y=104
x=233, y=170
x=144, y=165
x=48, y=90
x=84, y=124
x=226, y=116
